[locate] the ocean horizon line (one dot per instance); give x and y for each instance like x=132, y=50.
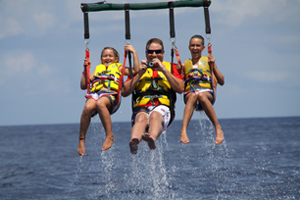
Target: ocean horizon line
x=205, y=117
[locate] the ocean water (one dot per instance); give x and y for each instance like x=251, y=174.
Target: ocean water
x=259, y=159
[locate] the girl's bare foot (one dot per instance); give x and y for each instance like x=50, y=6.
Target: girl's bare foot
x=183, y=137
x=81, y=146
x=219, y=136
x=109, y=140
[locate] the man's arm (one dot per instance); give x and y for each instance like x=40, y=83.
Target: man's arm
x=177, y=84
x=129, y=86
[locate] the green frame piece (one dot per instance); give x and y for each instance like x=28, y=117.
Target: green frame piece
x=95, y=7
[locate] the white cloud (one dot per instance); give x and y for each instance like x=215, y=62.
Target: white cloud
x=233, y=12
x=44, y=21
x=74, y=10
x=23, y=68
x=268, y=76
x=26, y=17
x=10, y=26
x=19, y=64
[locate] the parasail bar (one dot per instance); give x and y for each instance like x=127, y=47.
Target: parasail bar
x=95, y=7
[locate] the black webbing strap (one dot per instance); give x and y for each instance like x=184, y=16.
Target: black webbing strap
x=127, y=22
x=171, y=16
x=172, y=29
x=171, y=94
x=150, y=92
x=86, y=25
x=172, y=58
x=127, y=34
x=130, y=64
x=207, y=21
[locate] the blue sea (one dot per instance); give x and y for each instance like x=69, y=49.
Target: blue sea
x=259, y=159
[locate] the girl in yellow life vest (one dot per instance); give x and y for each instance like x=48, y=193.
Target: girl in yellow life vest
x=104, y=84
x=200, y=87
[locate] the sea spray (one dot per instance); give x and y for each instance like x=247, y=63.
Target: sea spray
x=107, y=162
x=216, y=155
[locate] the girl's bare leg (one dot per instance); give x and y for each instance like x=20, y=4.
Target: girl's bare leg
x=204, y=99
x=191, y=99
x=103, y=104
x=85, y=120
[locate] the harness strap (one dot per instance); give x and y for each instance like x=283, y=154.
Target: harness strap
x=127, y=22
x=86, y=25
x=171, y=17
x=87, y=52
x=150, y=93
x=207, y=21
x=105, y=77
x=178, y=61
x=121, y=82
x=130, y=63
x=209, y=50
x=87, y=57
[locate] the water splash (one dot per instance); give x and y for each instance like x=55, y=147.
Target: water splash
x=148, y=175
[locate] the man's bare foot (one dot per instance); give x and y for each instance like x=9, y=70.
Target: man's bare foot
x=133, y=144
x=219, y=136
x=81, y=146
x=109, y=140
x=184, y=138
x=150, y=140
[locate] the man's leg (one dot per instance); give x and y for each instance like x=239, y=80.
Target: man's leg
x=138, y=129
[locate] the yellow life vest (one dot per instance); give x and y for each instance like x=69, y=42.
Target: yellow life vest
x=149, y=88
x=199, y=74
x=106, y=77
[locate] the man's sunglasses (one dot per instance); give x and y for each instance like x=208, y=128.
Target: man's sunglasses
x=156, y=51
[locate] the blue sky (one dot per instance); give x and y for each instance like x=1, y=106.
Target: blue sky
x=256, y=45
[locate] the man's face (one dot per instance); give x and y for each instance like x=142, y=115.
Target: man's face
x=155, y=51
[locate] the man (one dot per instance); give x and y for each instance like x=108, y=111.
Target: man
x=154, y=96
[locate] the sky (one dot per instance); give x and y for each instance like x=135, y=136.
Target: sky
x=256, y=45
